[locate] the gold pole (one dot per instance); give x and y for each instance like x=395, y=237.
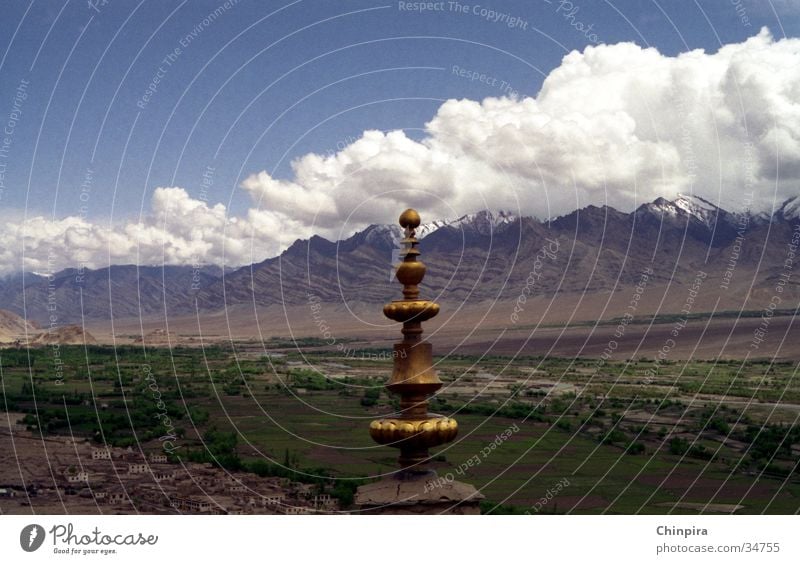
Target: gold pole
x=413, y=378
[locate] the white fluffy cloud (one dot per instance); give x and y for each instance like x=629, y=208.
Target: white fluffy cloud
x=177, y=230
x=614, y=124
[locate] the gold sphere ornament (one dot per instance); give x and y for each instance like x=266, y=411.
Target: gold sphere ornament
x=409, y=219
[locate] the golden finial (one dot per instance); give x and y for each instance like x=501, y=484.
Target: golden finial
x=410, y=311
x=409, y=219
x=413, y=377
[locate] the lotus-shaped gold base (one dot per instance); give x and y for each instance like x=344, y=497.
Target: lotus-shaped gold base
x=414, y=433
x=404, y=311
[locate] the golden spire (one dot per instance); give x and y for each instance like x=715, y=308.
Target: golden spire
x=413, y=377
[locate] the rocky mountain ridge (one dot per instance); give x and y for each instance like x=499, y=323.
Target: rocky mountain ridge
x=482, y=256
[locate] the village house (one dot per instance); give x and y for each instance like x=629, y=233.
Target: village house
x=78, y=477
x=140, y=468
x=163, y=475
x=323, y=501
x=297, y=510
x=101, y=454
x=193, y=504
x=113, y=498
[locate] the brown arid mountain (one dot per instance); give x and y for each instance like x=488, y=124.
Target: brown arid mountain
x=584, y=266
x=157, y=337
x=66, y=335
x=124, y=291
x=14, y=327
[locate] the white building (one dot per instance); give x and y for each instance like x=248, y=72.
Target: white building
x=273, y=499
x=114, y=498
x=81, y=476
x=194, y=504
x=297, y=510
x=101, y=454
x=323, y=500
x=163, y=475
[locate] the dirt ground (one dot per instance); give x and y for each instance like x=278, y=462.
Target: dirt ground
x=480, y=329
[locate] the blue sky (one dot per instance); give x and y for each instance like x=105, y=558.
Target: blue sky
x=88, y=67
x=267, y=82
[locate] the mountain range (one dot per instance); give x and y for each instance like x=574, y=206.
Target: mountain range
x=481, y=257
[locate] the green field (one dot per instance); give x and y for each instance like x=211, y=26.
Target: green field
x=622, y=437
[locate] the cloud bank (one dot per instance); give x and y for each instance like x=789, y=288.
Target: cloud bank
x=178, y=230
x=614, y=124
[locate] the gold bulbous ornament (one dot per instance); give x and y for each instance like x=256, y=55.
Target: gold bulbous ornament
x=410, y=219
x=409, y=273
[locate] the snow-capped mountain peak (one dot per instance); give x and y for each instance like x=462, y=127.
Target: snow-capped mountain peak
x=790, y=209
x=697, y=207
x=660, y=206
x=483, y=221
